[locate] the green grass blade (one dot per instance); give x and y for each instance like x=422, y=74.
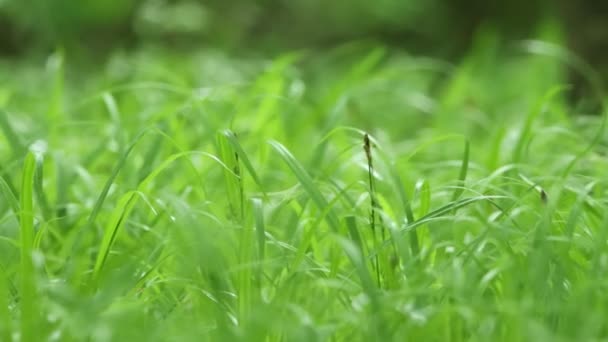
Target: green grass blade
x=90, y=222
x=10, y=197
x=574, y=216
x=424, y=193
x=5, y=303
x=425, y=198
x=118, y=218
x=351, y=225
x=407, y=208
x=29, y=311
x=41, y=198
x=258, y=213
x=150, y=158
x=447, y=208
x=62, y=183
x=307, y=183
x=245, y=282
x=126, y=205
x=405, y=201
x=106, y=188
x=232, y=177
x=376, y=322
x=231, y=137
x=17, y=149
x=172, y=158
x=463, y=172
x=354, y=254
x=436, y=214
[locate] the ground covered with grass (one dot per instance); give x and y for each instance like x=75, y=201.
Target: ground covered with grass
x=358, y=193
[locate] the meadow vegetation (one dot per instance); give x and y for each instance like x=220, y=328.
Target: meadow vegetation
x=355, y=193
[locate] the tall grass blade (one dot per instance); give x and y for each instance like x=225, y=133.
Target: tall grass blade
x=106, y=188
x=424, y=193
x=258, y=213
x=28, y=295
x=374, y=206
x=231, y=137
x=233, y=178
x=119, y=216
x=351, y=225
x=5, y=303
x=463, y=172
x=407, y=208
x=41, y=198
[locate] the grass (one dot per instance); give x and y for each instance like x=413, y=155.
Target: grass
x=353, y=194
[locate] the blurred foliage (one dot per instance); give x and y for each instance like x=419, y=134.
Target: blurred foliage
x=443, y=29
x=436, y=28
x=34, y=23
x=437, y=24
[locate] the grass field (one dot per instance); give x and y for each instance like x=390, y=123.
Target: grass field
x=354, y=194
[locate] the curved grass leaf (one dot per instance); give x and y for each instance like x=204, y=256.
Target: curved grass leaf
x=231, y=137
x=117, y=219
x=436, y=214
x=307, y=182
x=117, y=168
x=127, y=203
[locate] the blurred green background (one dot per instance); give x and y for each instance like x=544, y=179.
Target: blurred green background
x=90, y=30
x=436, y=27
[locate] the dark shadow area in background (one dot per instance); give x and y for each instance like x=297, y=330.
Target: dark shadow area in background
x=92, y=30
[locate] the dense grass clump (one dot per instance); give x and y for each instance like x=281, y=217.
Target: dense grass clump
x=353, y=194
